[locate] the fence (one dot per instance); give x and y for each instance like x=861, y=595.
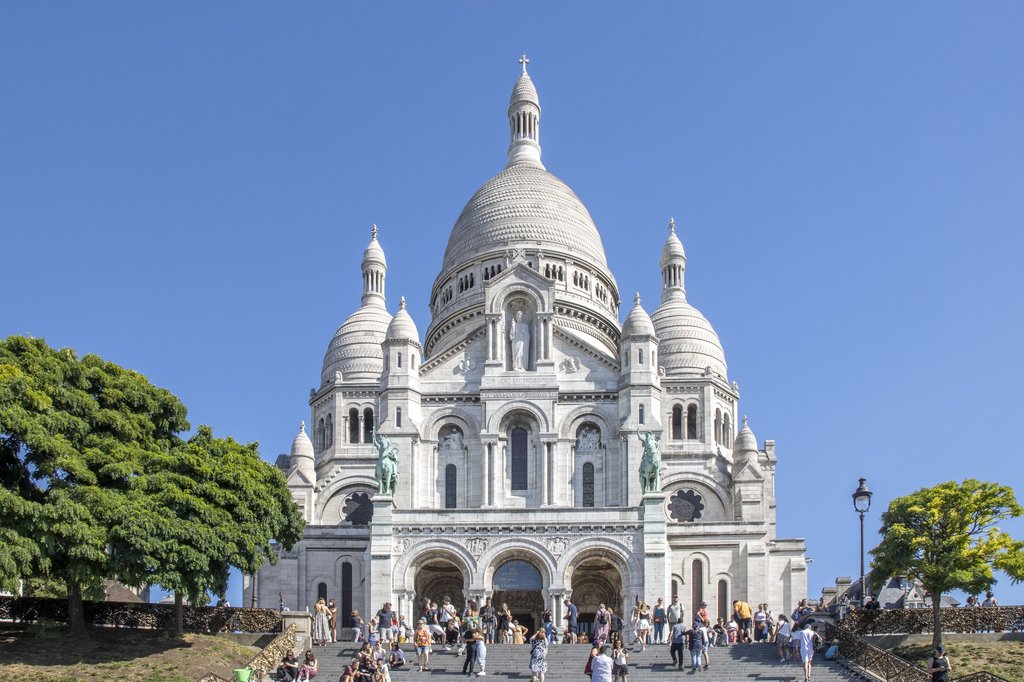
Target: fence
x=918, y=621
x=152, y=616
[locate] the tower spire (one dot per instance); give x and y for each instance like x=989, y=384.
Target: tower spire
x=673, y=265
x=524, y=120
x=375, y=268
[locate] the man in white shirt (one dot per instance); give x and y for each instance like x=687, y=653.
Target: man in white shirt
x=805, y=640
x=601, y=668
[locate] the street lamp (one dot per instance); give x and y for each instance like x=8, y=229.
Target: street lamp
x=862, y=503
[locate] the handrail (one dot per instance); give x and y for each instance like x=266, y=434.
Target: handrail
x=884, y=664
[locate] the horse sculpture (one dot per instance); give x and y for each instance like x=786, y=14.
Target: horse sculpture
x=650, y=465
x=387, y=465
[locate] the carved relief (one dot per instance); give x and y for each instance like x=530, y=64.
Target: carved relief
x=464, y=366
x=558, y=545
x=450, y=441
x=588, y=439
x=570, y=365
x=476, y=546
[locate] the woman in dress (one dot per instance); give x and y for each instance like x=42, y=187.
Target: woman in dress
x=602, y=625
x=538, y=656
x=332, y=619
x=940, y=667
x=643, y=625
x=504, y=623
x=321, y=623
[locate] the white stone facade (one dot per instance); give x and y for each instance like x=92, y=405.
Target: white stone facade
x=517, y=422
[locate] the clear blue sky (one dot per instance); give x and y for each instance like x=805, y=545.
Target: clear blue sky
x=186, y=189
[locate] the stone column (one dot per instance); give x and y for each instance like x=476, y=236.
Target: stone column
x=485, y=479
x=657, y=575
x=303, y=622
x=362, y=430
x=545, y=449
x=381, y=548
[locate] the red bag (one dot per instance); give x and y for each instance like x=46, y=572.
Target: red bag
x=589, y=667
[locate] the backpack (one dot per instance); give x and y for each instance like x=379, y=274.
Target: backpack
x=603, y=618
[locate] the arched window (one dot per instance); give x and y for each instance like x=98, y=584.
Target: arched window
x=675, y=590
x=588, y=485
x=321, y=591
x=723, y=599
x=520, y=472
x=398, y=360
x=450, y=486
x=353, y=425
x=641, y=414
x=691, y=422
x=697, y=588
x=398, y=417
x=320, y=435
x=677, y=422
x=346, y=590
x=726, y=431
x=368, y=425
x=718, y=426
x=330, y=430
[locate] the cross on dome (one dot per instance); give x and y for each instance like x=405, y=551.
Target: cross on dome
x=524, y=60
x=302, y=426
x=401, y=303
x=373, y=232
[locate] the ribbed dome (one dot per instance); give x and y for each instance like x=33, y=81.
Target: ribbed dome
x=524, y=91
x=687, y=343
x=355, y=349
x=374, y=253
x=638, y=322
x=673, y=247
x=302, y=446
x=402, y=327
x=745, y=440
x=525, y=206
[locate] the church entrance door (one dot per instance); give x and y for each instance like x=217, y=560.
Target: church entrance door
x=597, y=581
x=518, y=583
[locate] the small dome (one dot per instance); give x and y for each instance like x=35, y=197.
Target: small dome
x=374, y=253
x=638, y=322
x=673, y=248
x=687, y=343
x=355, y=349
x=524, y=91
x=302, y=446
x=402, y=327
x=745, y=440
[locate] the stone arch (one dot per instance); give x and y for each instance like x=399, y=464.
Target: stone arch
x=716, y=501
x=497, y=420
x=585, y=571
x=571, y=422
x=433, y=552
x=517, y=288
x=331, y=499
x=528, y=550
x=460, y=416
x=626, y=562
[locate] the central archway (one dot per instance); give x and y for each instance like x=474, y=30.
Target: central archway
x=518, y=583
x=596, y=580
x=438, y=578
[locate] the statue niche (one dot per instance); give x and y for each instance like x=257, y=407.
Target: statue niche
x=519, y=335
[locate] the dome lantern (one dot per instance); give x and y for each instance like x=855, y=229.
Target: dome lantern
x=375, y=268
x=524, y=120
x=673, y=265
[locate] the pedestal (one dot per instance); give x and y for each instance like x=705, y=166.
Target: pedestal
x=657, y=573
x=381, y=546
x=303, y=622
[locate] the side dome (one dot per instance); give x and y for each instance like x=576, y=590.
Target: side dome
x=526, y=205
x=745, y=440
x=402, y=328
x=638, y=322
x=355, y=350
x=688, y=343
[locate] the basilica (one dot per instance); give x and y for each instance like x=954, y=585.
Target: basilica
x=500, y=454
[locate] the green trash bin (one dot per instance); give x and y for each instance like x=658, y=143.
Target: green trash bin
x=243, y=674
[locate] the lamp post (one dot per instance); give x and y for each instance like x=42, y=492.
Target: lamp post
x=862, y=503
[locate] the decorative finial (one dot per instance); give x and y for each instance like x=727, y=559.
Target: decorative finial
x=302, y=426
x=744, y=421
x=672, y=225
x=524, y=60
x=636, y=299
x=373, y=232
x=401, y=303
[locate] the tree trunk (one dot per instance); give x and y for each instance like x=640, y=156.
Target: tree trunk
x=179, y=614
x=76, y=612
x=936, y=619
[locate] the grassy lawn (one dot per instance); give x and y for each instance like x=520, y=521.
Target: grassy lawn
x=117, y=654
x=1002, y=658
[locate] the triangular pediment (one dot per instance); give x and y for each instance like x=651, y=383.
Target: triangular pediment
x=749, y=474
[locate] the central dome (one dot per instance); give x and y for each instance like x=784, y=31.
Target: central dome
x=524, y=205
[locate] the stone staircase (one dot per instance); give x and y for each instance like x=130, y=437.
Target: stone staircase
x=754, y=662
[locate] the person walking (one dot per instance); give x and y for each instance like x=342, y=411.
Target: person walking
x=676, y=640
x=620, y=661
x=675, y=612
x=694, y=645
x=782, y=638
x=602, y=666
x=423, y=641
x=602, y=625
x=538, y=656
x=643, y=625
x=806, y=639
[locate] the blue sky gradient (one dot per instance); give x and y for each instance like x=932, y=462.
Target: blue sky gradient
x=186, y=189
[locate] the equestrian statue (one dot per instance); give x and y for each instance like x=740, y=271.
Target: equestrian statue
x=650, y=465
x=387, y=465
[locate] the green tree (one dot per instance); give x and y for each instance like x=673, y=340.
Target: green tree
x=74, y=433
x=203, y=507
x=947, y=537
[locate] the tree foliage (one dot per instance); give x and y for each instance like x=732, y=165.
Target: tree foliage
x=948, y=538
x=97, y=483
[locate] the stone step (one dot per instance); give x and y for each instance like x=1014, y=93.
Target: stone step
x=565, y=664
